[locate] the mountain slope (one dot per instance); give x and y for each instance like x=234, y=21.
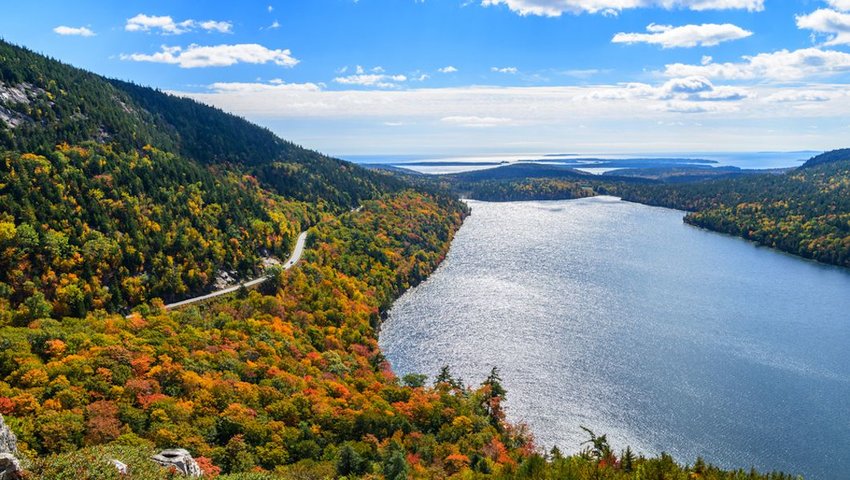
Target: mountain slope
x=44, y=102
x=112, y=194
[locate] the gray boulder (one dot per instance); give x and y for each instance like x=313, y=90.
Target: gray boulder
x=179, y=459
x=10, y=467
x=8, y=440
x=122, y=467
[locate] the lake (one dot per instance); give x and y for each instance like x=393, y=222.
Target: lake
x=621, y=318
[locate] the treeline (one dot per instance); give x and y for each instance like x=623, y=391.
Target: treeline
x=528, y=189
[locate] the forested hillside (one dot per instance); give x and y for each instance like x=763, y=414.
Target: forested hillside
x=44, y=102
x=805, y=212
x=88, y=227
x=114, y=194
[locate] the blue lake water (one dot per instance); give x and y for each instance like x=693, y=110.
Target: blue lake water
x=621, y=318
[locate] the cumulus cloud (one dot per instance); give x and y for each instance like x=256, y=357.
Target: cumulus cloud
x=78, y=31
x=509, y=70
x=195, y=56
x=448, y=69
x=705, y=35
x=166, y=25
x=693, y=90
x=839, y=4
x=688, y=85
x=835, y=25
x=554, y=8
x=379, y=80
x=212, y=25
x=782, y=65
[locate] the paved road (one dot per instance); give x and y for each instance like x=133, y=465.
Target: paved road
x=293, y=259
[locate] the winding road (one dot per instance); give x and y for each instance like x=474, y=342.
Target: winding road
x=293, y=259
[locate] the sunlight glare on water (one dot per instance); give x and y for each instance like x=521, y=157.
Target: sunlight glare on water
x=622, y=318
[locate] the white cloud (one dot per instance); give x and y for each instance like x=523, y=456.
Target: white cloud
x=799, y=96
x=583, y=73
x=221, y=27
x=688, y=85
x=839, y=4
x=477, y=122
x=79, y=31
x=509, y=70
x=470, y=106
x=275, y=24
x=554, y=8
x=677, y=106
x=447, y=69
x=782, y=65
x=378, y=80
x=691, y=90
x=166, y=25
x=705, y=35
x=270, y=8
x=626, y=117
x=195, y=56
x=274, y=85
x=835, y=25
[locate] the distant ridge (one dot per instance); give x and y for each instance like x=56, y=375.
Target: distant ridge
x=828, y=157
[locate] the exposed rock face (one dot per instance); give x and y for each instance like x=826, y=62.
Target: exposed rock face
x=8, y=440
x=122, y=467
x=180, y=459
x=10, y=466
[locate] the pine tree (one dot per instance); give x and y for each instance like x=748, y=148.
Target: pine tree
x=395, y=466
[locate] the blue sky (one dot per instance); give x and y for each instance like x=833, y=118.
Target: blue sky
x=481, y=76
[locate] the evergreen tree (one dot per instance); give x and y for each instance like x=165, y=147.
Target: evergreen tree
x=395, y=465
x=348, y=461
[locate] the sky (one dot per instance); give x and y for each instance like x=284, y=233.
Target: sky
x=480, y=76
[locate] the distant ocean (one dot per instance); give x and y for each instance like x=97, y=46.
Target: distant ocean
x=444, y=163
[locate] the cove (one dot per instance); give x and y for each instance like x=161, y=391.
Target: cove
x=621, y=318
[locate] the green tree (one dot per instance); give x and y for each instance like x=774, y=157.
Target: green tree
x=348, y=461
x=395, y=465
